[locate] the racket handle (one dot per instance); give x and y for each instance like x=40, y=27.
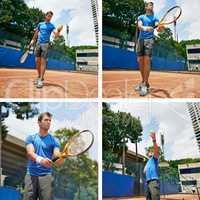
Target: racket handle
x=54, y=159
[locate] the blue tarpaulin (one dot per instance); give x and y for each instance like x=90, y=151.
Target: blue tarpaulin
x=117, y=185
x=116, y=58
x=9, y=58
x=7, y=193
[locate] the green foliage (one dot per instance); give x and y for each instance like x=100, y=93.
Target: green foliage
x=118, y=129
x=175, y=163
x=18, y=20
x=181, y=47
x=171, y=173
x=166, y=47
x=119, y=17
x=77, y=178
x=109, y=159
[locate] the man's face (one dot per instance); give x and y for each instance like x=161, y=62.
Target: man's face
x=45, y=123
x=150, y=154
x=48, y=17
x=149, y=7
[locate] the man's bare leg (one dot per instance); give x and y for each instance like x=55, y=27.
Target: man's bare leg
x=43, y=68
x=147, y=67
x=141, y=66
x=38, y=63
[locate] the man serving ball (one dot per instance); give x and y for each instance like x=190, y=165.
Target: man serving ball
x=42, y=39
x=151, y=172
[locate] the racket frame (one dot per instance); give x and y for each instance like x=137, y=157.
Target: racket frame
x=65, y=152
x=161, y=21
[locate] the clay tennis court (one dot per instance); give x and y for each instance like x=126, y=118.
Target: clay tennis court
x=166, y=197
x=120, y=84
x=18, y=83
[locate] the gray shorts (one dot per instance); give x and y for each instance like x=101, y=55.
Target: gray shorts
x=41, y=50
x=145, y=47
x=40, y=187
x=153, y=190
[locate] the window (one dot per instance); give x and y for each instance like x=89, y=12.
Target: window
x=194, y=50
x=193, y=182
x=190, y=170
x=87, y=54
x=82, y=63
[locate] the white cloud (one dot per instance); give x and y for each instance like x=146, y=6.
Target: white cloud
x=86, y=120
x=159, y=5
x=172, y=120
x=189, y=20
x=77, y=14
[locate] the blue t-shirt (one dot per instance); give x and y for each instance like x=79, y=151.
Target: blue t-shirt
x=44, y=146
x=45, y=29
x=147, y=20
x=152, y=169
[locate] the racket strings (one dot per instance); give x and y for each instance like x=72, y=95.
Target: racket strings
x=172, y=15
x=80, y=143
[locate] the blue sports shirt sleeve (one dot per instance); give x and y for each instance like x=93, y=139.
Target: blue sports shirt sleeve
x=38, y=27
x=29, y=140
x=56, y=143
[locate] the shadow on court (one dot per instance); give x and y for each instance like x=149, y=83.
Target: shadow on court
x=179, y=196
x=120, y=84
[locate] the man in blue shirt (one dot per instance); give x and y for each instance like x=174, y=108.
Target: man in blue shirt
x=146, y=24
x=42, y=36
x=151, y=171
x=41, y=148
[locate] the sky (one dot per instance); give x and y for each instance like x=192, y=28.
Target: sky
x=188, y=25
x=81, y=116
x=169, y=118
x=77, y=14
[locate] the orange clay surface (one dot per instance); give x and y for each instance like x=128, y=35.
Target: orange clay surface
x=120, y=84
x=18, y=83
x=166, y=197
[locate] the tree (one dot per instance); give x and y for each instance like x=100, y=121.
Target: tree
x=119, y=17
x=18, y=21
x=118, y=129
x=77, y=177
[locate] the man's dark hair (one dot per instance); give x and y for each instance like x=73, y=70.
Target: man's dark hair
x=49, y=12
x=41, y=116
x=149, y=3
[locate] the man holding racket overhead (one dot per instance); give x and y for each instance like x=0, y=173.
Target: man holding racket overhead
x=151, y=172
x=42, y=39
x=41, y=148
x=146, y=24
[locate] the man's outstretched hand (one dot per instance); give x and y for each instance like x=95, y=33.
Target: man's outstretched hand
x=153, y=136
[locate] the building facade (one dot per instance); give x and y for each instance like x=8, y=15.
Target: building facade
x=193, y=57
x=194, y=111
x=14, y=161
x=94, y=5
x=87, y=60
x=189, y=175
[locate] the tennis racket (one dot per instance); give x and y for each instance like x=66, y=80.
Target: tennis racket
x=170, y=16
x=77, y=144
x=25, y=54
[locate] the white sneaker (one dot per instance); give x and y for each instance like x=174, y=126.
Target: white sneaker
x=137, y=88
x=144, y=91
x=35, y=81
x=39, y=84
